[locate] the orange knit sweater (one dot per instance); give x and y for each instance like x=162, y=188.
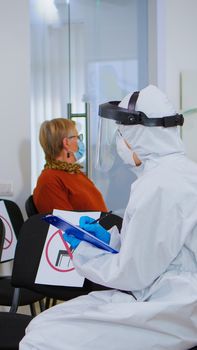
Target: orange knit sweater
x=58, y=189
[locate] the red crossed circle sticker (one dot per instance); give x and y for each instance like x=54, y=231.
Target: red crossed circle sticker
x=9, y=233
x=67, y=252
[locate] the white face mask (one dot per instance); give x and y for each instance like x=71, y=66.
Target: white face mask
x=125, y=153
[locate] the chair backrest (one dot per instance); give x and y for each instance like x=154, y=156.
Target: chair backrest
x=27, y=257
x=30, y=206
x=111, y=220
x=15, y=215
x=16, y=218
x=2, y=236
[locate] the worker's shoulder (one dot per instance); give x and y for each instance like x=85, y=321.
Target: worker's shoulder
x=177, y=178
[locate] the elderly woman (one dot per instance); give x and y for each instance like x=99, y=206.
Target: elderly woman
x=62, y=184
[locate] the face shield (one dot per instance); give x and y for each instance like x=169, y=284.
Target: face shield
x=106, y=144
x=115, y=114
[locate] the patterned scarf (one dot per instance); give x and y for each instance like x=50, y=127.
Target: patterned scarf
x=59, y=165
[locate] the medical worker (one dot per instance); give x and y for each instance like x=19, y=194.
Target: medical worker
x=153, y=303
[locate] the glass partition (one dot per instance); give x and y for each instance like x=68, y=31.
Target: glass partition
x=86, y=52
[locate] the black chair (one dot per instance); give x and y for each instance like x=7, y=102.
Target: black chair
x=31, y=240
x=12, y=329
x=30, y=206
x=2, y=236
x=26, y=261
x=32, y=210
x=111, y=220
x=12, y=325
x=8, y=294
x=107, y=222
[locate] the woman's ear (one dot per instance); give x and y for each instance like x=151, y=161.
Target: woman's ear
x=65, y=143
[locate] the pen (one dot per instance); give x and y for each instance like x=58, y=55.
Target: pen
x=101, y=217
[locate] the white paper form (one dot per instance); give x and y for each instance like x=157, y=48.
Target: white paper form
x=10, y=237
x=56, y=267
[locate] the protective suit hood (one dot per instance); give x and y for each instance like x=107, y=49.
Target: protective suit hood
x=150, y=143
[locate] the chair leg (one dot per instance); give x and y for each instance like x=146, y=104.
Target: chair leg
x=54, y=302
x=50, y=302
x=15, y=303
x=15, y=300
x=33, y=309
x=42, y=305
x=47, y=303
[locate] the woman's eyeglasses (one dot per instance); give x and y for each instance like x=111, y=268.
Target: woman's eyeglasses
x=80, y=137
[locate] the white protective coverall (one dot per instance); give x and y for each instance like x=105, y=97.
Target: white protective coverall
x=157, y=259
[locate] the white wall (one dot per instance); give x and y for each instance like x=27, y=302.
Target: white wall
x=177, y=24
x=15, y=97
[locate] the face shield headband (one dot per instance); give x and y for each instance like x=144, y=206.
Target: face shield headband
x=111, y=110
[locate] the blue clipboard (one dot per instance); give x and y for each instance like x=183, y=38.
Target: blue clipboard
x=77, y=231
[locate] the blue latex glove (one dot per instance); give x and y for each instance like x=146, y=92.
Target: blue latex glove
x=72, y=240
x=96, y=229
